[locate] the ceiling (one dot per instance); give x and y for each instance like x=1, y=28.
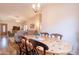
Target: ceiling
x=15, y=11
x=18, y=11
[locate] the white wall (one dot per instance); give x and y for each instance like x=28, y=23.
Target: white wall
x=61, y=18
x=33, y=20
x=10, y=24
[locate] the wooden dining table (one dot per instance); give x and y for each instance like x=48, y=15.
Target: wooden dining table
x=56, y=46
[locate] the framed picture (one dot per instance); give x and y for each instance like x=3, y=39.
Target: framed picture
x=32, y=26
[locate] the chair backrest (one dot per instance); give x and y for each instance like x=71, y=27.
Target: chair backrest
x=23, y=39
x=23, y=45
x=56, y=35
x=45, y=34
x=35, y=44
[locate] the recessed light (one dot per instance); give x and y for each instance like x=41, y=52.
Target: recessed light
x=17, y=20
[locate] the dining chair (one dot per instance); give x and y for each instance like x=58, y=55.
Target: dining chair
x=22, y=46
x=35, y=44
x=45, y=34
x=56, y=35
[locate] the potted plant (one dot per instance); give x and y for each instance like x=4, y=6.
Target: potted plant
x=37, y=34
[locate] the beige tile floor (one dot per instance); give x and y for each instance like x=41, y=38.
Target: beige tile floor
x=10, y=50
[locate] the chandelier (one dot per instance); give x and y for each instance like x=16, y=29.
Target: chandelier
x=36, y=8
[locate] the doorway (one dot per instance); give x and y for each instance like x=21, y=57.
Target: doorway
x=3, y=29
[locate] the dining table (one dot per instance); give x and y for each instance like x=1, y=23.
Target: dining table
x=55, y=45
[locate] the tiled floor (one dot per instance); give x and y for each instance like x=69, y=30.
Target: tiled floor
x=10, y=50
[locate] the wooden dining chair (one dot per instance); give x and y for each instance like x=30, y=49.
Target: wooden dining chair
x=22, y=46
x=56, y=35
x=36, y=44
x=45, y=34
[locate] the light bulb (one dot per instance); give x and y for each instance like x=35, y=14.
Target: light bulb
x=33, y=6
x=38, y=5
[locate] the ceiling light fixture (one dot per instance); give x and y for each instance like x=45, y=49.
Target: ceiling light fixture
x=36, y=7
